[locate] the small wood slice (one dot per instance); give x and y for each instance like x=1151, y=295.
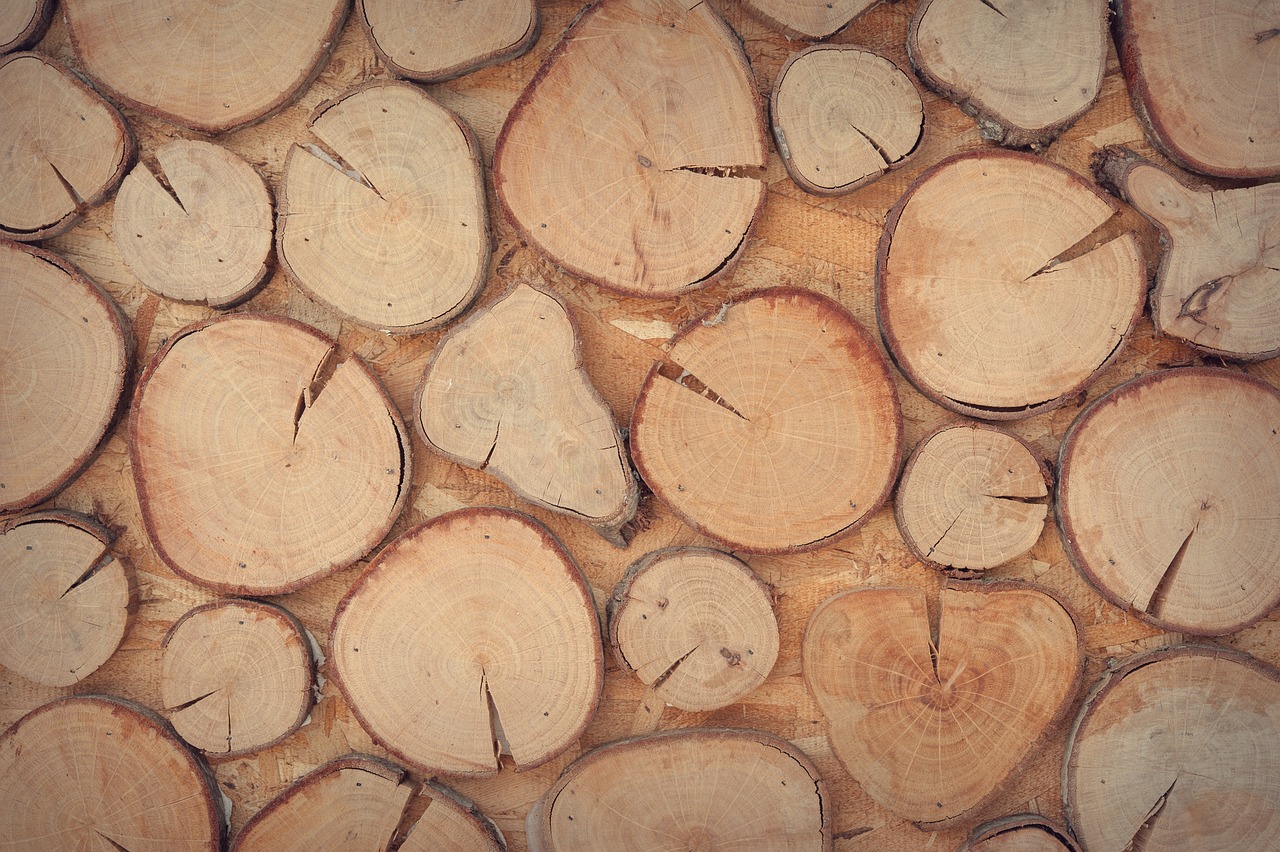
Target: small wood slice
x=442, y=39
x=808, y=19
x=264, y=457
x=389, y=224
x=774, y=427
x=1178, y=749
x=1020, y=833
x=842, y=117
x=999, y=291
x=198, y=231
x=23, y=23
x=64, y=603
x=934, y=729
x=634, y=157
x=101, y=773
x=452, y=822
x=1167, y=498
x=64, y=360
x=694, y=624
x=471, y=636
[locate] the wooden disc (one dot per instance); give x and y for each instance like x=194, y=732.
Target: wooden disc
x=98, y=772
x=442, y=39
x=1167, y=498
x=808, y=19
x=23, y=23
x=752, y=450
x=451, y=822
x=1020, y=833
x=696, y=625
x=998, y=291
x=471, y=636
x=1178, y=749
x=389, y=224
x=633, y=158
x=199, y=231
x=264, y=457
x=65, y=600
x=64, y=360
x=842, y=117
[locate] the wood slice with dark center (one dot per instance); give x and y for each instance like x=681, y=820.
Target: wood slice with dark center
x=442, y=39
x=1020, y=833
x=451, y=822
x=808, y=19
x=23, y=23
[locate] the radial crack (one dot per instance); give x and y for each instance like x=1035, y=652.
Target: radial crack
x=334, y=160
x=671, y=669
x=162, y=181
x=947, y=530
x=184, y=705
x=720, y=171
x=1111, y=229
x=1160, y=594
x=992, y=7
x=1266, y=35
x=76, y=198
x=319, y=380
x=104, y=559
x=1143, y=835
x=685, y=379
x=116, y=845
x=499, y=736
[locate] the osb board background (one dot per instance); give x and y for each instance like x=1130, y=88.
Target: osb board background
x=826, y=245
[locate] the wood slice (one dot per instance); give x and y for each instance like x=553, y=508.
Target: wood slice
x=633, y=158
x=999, y=290
x=1020, y=833
x=842, y=117
x=388, y=223
x=442, y=39
x=63, y=149
x=452, y=822
x=752, y=450
x=934, y=722
x=1177, y=749
x=97, y=772
x=23, y=23
x=696, y=625
x=199, y=229
x=505, y=392
x=1167, y=498
x=64, y=361
x=471, y=636
x=65, y=600
x=808, y=19
x=265, y=458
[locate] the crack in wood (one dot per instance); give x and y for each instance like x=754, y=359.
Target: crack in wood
x=1110, y=230
x=104, y=559
x=194, y=701
x=119, y=847
x=671, y=669
x=1266, y=35
x=1143, y=835
x=496, y=732
x=1160, y=594
x=685, y=379
x=993, y=7
x=324, y=371
x=162, y=180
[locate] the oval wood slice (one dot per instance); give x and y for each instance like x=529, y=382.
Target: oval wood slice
x=1178, y=749
x=1020, y=833
x=23, y=23
x=773, y=427
x=808, y=19
x=1167, y=498
x=98, y=772
x=64, y=360
x=65, y=601
x=451, y=822
x=1001, y=288
x=694, y=624
x=264, y=457
x=442, y=39
x=633, y=158
x=931, y=728
x=842, y=117
x=471, y=636
x=199, y=229
x=388, y=223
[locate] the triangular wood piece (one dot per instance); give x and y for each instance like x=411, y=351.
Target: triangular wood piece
x=442, y=39
x=451, y=822
x=1020, y=833
x=23, y=23
x=808, y=19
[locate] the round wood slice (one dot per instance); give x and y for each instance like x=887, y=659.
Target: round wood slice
x=634, y=156
x=842, y=117
x=442, y=39
x=389, y=224
x=63, y=149
x=1020, y=833
x=998, y=291
x=210, y=66
x=808, y=19
x=1178, y=749
x=451, y=822
x=98, y=772
x=933, y=729
x=23, y=23
x=198, y=231
x=64, y=360
x=264, y=457
x=774, y=427
x=471, y=636
x=694, y=624
x=1167, y=498
x=65, y=600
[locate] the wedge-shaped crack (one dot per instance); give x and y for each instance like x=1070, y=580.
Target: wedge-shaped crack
x=310, y=393
x=1111, y=229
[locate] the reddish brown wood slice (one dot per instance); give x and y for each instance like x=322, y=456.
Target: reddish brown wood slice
x=808, y=19
x=1020, y=833
x=442, y=39
x=23, y=23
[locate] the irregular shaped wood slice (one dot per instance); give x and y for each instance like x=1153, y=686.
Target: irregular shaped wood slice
x=842, y=117
x=506, y=393
x=471, y=636
x=1167, y=498
x=1001, y=287
x=933, y=730
x=808, y=19
x=1020, y=833
x=23, y=23
x=201, y=230
x=451, y=822
x=396, y=234
x=774, y=426
x=264, y=457
x=1178, y=749
x=632, y=158
x=442, y=39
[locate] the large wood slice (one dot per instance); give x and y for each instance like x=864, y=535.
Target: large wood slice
x=808, y=19
x=451, y=821
x=1167, y=498
x=1178, y=749
x=265, y=458
x=633, y=158
x=389, y=224
x=998, y=291
x=442, y=39
x=471, y=636
x=23, y=23
x=1020, y=833
x=774, y=426
x=934, y=722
